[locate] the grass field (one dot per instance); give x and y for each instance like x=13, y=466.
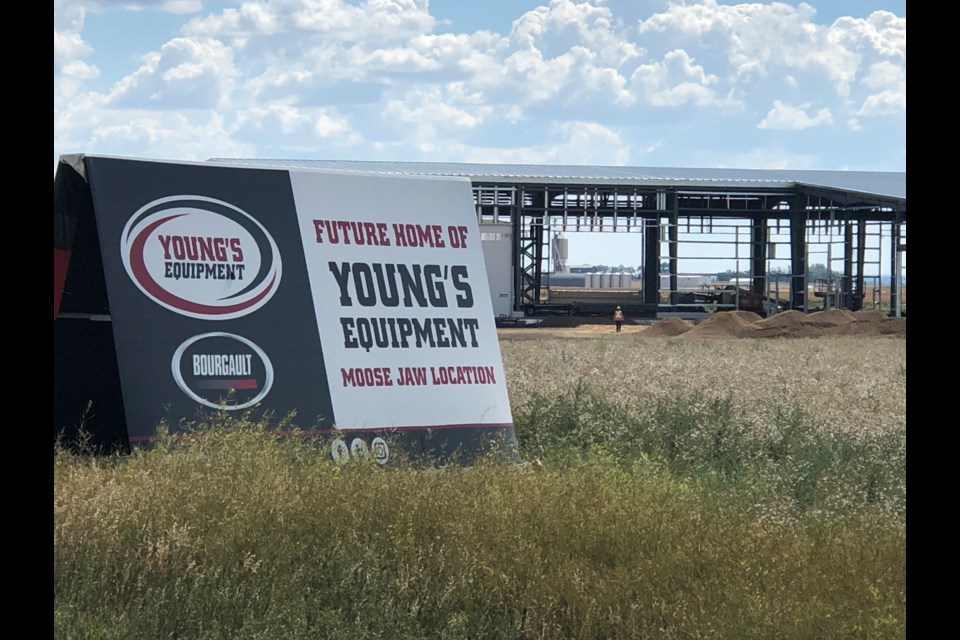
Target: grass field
x=673, y=489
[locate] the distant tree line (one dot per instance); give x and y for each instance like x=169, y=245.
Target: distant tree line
x=779, y=274
x=603, y=268
x=814, y=272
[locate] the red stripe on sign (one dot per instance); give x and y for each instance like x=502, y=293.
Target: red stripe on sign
x=61, y=263
x=374, y=430
x=226, y=384
x=435, y=427
x=492, y=425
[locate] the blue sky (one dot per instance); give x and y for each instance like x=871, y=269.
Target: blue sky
x=816, y=85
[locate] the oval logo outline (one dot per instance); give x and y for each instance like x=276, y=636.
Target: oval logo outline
x=146, y=222
x=178, y=375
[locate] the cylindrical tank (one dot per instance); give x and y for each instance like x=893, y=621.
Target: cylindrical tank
x=561, y=247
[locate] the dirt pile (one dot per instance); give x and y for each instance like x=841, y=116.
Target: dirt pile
x=727, y=324
x=832, y=322
x=871, y=322
x=789, y=324
x=831, y=318
x=870, y=315
x=722, y=325
x=749, y=316
x=667, y=328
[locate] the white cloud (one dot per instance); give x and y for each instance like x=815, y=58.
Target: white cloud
x=675, y=81
x=69, y=71
x=168, y=6
x=373, y=21
x=68, y=16
x=434, y=119
x=568, y=48
x=882, y=32
x=564, y=24
x=891, y=81
x=69, y=47
x=567, y=143
x=181, y=6
x=395, y=59
x=579, y=78
x=513, y=114
x=884, y=74
x=787, y=117
x=288, y=126
x=86, y=126
x=79, y=70
x=759, y=37
x=251, y=18
x=433, y=110
x=320, y=64
x=885, y=103
x=538, y=79
x=575, y=50
x=185, y=73
x=757, y=158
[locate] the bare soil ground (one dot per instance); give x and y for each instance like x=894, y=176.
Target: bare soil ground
x=734, y=324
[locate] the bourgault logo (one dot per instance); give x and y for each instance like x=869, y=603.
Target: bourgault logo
x=222, y=370
x=200, y=257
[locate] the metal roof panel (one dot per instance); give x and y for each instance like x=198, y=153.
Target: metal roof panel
x=878, y=183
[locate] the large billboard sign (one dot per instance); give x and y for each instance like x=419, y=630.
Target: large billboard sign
x=358, y=301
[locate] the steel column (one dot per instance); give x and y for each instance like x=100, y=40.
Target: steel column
x=798, y=252
x=861, y=260
x=673, y=234
x=894, y=268
x=846, y=292
x=651, y=264
x=758, y=256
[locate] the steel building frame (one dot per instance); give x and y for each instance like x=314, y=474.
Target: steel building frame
x=807, y=213
x=857, y=216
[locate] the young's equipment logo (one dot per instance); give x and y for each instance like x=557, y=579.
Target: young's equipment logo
x=200, y=257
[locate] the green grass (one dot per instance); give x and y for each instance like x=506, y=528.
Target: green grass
x=711, y=439
x=670, y=519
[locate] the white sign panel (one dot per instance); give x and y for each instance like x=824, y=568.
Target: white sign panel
x=402, y=303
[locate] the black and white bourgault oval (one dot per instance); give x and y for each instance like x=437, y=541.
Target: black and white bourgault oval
x=222, y=370
x=200, y=257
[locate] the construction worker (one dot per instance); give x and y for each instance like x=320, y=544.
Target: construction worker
x=618, y=318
